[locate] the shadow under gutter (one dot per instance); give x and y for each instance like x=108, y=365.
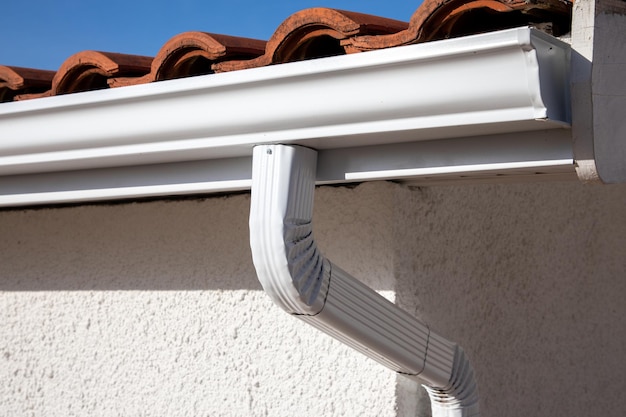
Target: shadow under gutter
x=307, y=285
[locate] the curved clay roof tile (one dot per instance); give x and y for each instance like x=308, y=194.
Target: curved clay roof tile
x=193, y=53
x=439, y=19
x=310, y=33
x=313, y=33
x=16, y=80
x=90, y=70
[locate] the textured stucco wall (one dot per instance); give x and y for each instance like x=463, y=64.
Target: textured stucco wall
x=154, y=308
x=530, y=280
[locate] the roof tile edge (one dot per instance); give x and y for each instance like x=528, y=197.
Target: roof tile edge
x=307, y=34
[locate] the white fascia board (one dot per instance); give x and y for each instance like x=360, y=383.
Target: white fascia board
x=497, y=83
x=540, y=156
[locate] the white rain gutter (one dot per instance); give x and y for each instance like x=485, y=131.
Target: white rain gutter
x=307, y=285
x=485, y=106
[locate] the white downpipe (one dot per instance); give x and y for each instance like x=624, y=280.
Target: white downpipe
x=305, y=284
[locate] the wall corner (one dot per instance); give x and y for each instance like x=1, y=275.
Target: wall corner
x=599, y=90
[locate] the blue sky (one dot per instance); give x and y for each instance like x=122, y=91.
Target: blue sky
x=43, y=33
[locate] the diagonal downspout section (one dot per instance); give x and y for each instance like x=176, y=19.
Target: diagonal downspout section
x=305, y=284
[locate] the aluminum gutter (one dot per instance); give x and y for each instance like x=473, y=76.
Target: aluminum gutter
x=499, y=83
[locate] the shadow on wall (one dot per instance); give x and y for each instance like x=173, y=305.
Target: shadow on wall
x=527, y=278
x=188, y=244
x=193, y=244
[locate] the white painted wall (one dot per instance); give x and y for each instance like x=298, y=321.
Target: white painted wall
x=154, y=308
x=530, y=280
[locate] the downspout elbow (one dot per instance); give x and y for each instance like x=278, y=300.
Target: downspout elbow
x=289, y=266
x=300, y=280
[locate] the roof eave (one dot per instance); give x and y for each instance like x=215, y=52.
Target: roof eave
x=499, y=84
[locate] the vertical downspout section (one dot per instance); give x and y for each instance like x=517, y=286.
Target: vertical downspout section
x=305, y=284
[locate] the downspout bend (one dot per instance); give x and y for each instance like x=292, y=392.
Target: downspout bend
x=300, y=280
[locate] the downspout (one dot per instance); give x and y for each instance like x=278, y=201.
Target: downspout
x=307, y=285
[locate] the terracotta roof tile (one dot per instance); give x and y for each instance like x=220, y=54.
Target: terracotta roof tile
x=308, y=34
x=91, y=70
x=194, y=53
x=16, y=80
x=440, y=19
x=314, y=33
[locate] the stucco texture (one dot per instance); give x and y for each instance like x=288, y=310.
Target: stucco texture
x=153, y=308
x=530, y=280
